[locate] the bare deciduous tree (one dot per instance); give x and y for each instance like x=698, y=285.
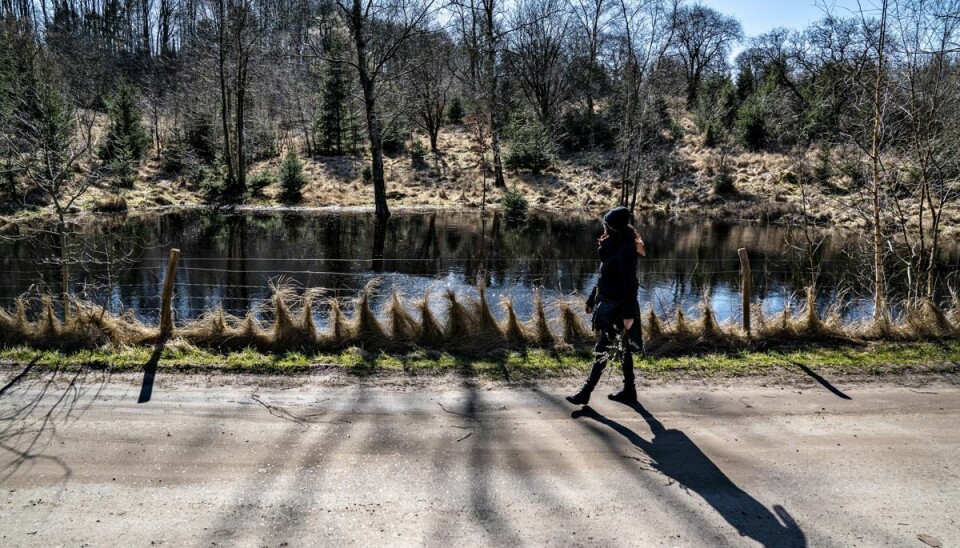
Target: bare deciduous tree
x=379, y=29
x=703, y=38
x=429, y=81
x=927, y=98
x=539, y=56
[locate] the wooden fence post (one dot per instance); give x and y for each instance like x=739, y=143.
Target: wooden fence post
x=166, y=298
x=747, y=286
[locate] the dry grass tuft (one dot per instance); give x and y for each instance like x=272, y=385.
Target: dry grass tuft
x=925, y=320
x=879, y=329
x=539, y=329
x=289, y=332
x=779, y=327
x=653, y=327
x=808, y=323
x=210, y=329
x=512, y=328
x=681, y=327
x=368, y=331
x=250, y=329
x=575, y=332
x=487, y=326
x=307, y=324
x=708, y=330
x=953, y=313
x=403, y=328
x=460, y=320
x=431, y=333
x=340, y=330
x=49, y=327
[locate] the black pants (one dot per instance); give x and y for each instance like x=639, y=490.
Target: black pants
x=608, y=323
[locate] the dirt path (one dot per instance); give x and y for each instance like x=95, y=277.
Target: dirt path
x=306, y=463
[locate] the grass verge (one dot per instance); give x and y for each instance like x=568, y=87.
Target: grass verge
x=872, y=359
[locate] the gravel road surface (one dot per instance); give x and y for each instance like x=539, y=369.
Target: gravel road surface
x=93, y=459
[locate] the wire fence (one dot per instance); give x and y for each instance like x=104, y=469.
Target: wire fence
x=674, y=282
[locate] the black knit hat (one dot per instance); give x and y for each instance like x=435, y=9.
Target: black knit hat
x=617, y=218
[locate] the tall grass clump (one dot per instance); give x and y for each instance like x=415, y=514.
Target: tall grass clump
x=460, y=324
x=924, y=319
x=953, y=313
x=540, y=334
x=403, y=328
x=512, y=328
x=341, y=333
x=575, y=333
x=211, y=329
x=653, y=327
x=431, y=332
x=487, y=327
x=367, y=328
x=709, y=329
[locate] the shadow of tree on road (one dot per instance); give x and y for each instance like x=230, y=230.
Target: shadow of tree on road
x=676, y=456
x=33, y=408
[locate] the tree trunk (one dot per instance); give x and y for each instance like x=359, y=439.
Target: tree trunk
x=879, y=290
x=499, y=181
x=224, y=92
x=64, y=267
x=373, y=121
x=165, y=31
x=241, y=180
x=145, y=27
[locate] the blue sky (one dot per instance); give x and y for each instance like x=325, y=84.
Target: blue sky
x=759, y=16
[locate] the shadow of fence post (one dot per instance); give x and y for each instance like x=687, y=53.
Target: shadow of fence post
x=166, y=328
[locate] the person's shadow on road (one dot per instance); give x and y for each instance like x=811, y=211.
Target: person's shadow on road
x=676, y=456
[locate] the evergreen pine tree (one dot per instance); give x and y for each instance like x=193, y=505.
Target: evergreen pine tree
x=126, y=128
x=455, y=111
x=333, y=128
x=292, y=179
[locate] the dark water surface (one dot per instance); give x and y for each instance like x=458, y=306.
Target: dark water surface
x=233, y=258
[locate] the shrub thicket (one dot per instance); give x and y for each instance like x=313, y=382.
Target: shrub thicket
x=394, y=138
x=200, y=137
x=418, y=153
x=713, y=135
x=530, y=147
x=259, y=181
x=455, y=111
x=578, y=130
x=751, y=127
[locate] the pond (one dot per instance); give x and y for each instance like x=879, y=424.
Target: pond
x=234, y=259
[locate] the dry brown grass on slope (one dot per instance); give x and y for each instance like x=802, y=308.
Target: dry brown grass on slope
x=680, y=186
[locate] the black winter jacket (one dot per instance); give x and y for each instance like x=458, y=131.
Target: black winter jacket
x=618, y=273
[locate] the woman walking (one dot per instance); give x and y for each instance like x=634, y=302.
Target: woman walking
x=613, y=303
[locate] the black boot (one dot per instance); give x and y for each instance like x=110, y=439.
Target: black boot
x=628, y=395
x=582, y=397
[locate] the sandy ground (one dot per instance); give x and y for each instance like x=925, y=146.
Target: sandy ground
x=304, y=462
